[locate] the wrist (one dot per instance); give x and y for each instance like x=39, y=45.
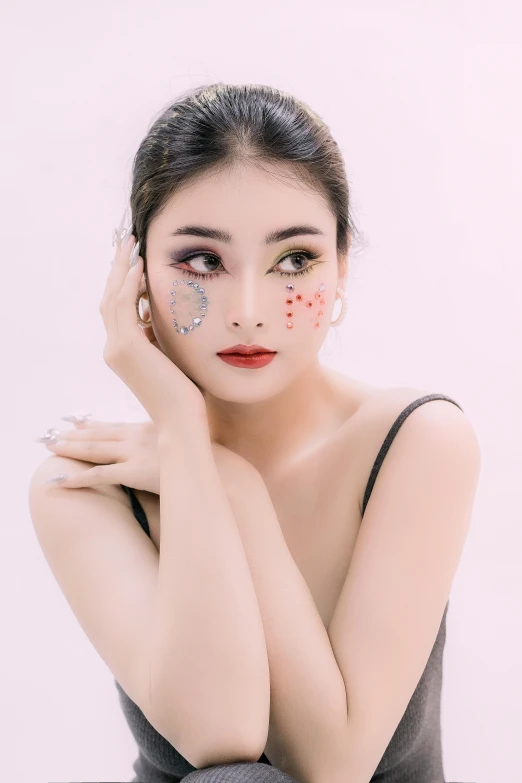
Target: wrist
x=183, y=431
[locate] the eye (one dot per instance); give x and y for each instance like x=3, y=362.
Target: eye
x=309, y=255
x=306, y=254
x=191, y=272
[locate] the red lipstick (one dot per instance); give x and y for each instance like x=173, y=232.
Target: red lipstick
x=240, y=348
x=247, y=356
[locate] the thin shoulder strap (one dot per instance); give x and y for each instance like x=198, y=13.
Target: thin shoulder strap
x=137, y=508
x=390, y=436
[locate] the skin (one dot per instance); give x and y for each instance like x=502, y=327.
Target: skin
x=264, y=414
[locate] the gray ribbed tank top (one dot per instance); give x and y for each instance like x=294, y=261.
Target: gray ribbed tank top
x=414, y=753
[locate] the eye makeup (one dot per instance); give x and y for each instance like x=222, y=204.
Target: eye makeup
x=180, y=258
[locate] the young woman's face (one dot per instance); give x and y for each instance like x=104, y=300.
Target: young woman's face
x=245, y=299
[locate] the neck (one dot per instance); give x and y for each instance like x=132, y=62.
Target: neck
x=271, y=432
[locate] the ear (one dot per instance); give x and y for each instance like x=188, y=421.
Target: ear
x=343, y=262
x=342, y=278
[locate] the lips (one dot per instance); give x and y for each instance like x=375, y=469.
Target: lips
x=246, y=350
x=252, y=360
x=245, y=353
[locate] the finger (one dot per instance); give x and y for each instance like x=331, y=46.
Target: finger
x=94, y=430
x=115, y=280
x=99, y=475
x=116, y=273
x=126, y=321
x=101, y=452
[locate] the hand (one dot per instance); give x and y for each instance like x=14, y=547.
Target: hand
x=127, y=453
x=162, y=388
x=122, y=453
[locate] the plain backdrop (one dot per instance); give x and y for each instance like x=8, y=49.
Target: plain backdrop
x=424, y=101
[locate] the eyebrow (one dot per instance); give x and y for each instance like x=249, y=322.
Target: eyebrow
x=224, y=236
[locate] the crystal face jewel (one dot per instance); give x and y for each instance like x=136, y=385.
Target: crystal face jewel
x=203, y=305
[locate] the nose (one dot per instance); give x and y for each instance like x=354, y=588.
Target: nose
x=248, y=306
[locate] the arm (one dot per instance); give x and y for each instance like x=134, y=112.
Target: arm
x=209, y=667
x=338, y=695
x=308, y=712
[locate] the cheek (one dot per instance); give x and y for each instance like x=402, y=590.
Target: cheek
x=187, y=305
x=304, y=305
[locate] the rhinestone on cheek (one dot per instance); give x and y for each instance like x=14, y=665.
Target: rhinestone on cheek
x=203, y=306
x=289, y=326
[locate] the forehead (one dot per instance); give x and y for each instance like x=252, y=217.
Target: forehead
x=248, y=197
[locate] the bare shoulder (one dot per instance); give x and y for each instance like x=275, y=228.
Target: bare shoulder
x=377, y=415
x=386, y=404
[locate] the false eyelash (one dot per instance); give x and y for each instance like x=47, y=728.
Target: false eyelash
x=209, y=275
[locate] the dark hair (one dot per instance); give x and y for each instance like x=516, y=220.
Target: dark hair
x=213, y=127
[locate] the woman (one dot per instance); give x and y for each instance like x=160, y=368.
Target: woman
x=276, y=637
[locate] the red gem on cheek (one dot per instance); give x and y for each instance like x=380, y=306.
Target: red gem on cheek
x=299, y=297
x=289, y=314
x=289, y=301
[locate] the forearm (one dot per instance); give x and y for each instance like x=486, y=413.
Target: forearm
x=308, y=736
x=209, y=674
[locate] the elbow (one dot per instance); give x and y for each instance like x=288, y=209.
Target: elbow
x=230, y=753
x=210, y=751
x=205, y=746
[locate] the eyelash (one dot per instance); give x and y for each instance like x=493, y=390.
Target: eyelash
x=310, y=255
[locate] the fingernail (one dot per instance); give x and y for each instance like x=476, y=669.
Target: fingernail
x=55, y=479
x=48, y=437
x=134, y=254
x=123, y=219
x=118, y=234
x=79, y=418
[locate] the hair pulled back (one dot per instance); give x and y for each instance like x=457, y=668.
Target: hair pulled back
x=214, y=127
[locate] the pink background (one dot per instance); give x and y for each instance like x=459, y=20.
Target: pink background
x=424, y=101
